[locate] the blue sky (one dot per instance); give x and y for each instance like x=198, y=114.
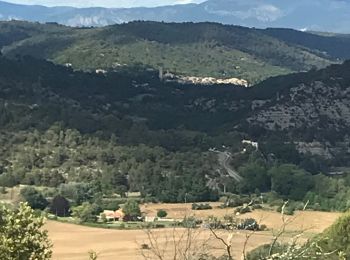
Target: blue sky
x=104, y=3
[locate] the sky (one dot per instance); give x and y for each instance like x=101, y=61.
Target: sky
x=104, y=3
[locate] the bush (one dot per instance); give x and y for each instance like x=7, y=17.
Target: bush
x=159, y=225
x=248, y=224
x=243, y=210
x=257, y=206
x=34, y=198
x=190, y=222
x=122, y=226
x=3, y=190
x=263, y=227
x=215, y=223
x=203, y=206
x=162, y=213
x=145, y=247
x=289, y=209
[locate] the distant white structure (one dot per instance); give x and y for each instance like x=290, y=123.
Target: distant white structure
x=150, y=219
x=100, y=71
x=249, y=142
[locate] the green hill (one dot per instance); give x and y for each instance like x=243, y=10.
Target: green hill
x=192, y=49
x=59, y=127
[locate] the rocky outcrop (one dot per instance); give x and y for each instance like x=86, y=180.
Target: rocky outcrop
x=212, y=81
x=316, y=104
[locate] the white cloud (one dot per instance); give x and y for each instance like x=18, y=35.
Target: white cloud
x=104, y=3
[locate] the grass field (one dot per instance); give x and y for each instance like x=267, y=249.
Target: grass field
x=72, y=242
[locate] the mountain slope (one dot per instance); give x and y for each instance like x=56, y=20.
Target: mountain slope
x=203, y=49
x=302, y=107
x=323, y=15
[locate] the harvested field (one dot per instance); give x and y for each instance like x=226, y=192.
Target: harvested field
x=312, y=221
x=72, y=242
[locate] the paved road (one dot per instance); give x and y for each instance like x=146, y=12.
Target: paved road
x=224, y=160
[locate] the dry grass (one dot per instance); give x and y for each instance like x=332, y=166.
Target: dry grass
x=72, y=242
x=314, y=222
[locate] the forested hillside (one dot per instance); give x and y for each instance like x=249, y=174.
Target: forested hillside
x=125, y=131
x=192, y=49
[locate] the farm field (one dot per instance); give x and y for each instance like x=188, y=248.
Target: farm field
x=72, y=242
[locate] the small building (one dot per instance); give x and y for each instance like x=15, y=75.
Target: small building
x=111, y=215
x=249, y=142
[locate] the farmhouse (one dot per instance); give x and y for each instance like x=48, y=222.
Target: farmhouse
x=111, y=215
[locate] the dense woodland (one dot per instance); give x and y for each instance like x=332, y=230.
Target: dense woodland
x=87, y=136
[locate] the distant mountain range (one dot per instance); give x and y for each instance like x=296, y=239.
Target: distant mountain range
x=316, y=15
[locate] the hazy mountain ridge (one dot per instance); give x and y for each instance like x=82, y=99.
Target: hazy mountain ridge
x=323, y=15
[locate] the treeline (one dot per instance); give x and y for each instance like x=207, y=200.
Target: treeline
x=58, y=157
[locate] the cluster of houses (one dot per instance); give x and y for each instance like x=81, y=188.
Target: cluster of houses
x=119, y=215
x=111, y=215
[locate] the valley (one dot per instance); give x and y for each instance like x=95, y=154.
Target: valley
x=234, y=138
x=126, y=244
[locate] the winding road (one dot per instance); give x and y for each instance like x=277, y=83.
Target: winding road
x=224, y=160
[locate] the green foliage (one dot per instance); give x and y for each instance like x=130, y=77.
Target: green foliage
x=22, y=236
x=255, y=177
x=243, y=210
x=86, y=212
x=132, y=210
x=3, y=190
x=201, y=206
x=248, y=224
x=162, y=213
x=190, y=222
x=93, y=142
x=215, y=50
x=34, y=198
x=290, y=181
x=60, y=206
x=337, y=237
x=263, y=252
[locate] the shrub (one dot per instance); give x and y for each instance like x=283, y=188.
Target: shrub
x=215, y=223
x=3, y=190
x=34, y=198
x=257, y=206
x=145, y=247
x=162, y=213
x=190, y=222
x=243, y=210
x=203, y=206
x=159, y=225
x=263, y=227
x=248, y=224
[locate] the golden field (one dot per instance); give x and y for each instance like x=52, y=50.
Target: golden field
x=73, y=242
